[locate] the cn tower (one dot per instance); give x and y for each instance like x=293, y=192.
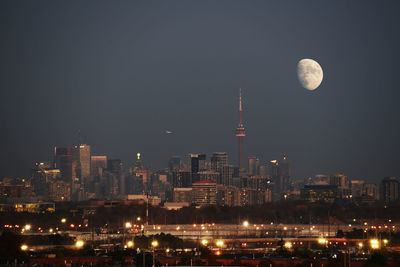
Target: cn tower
x=240, y=133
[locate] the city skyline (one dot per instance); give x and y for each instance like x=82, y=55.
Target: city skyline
x=123, y=74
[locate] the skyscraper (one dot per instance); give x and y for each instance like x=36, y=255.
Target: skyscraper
x=174, y=163
x=218, y=160
x=254, y=163
x=82, y=158
x=390, y=189
x=197, y=163
x=97, y=165
x=63, y=161
x=240, y=133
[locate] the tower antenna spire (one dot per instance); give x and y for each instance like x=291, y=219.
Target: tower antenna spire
x=240, y=133
x=240, y=107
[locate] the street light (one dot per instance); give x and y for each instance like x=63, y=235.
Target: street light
x=63, y=220
x=288, y=245
x=322, y=241
x=128, y=225
x=129, y=244
x=79, y=244
x=220, y=243
x=245, y=223
x=374, y=243
x=27, y=227
x=24, y=247
x=204, y=242
x=154, y=244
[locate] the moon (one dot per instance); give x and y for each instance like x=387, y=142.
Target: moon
x=309, y=73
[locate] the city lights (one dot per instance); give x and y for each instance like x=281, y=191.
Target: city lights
x=245, y=223
x=27, y=227
x=374, y=243
x=322, y=241
x=24, y=247
x=63, y=220
x=79, y=244
x=128, y=225
x=129, y=244
x=288, y=245
x=154, y=243
x=219, y=243
x=204, y=242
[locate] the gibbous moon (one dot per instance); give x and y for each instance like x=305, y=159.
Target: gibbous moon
x=310, y=73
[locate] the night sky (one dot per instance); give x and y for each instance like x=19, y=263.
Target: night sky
x=124, y=71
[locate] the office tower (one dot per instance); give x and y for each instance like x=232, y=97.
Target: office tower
x=284, y=174
x=273, y=173
x=138, y=165
x=116, y=173
x=240, y=133
x=60, y=191
x=218, y=160
x=43, y=176
x=174, y=163
x=342, y=183
x=228, y=173
x=63, y=157
x=197, y=163
x=316, y=193
x=356, y=188
x=389, y=189
x=181, y=179
x=254, y=163
x=321, y=179
x=208, y=175
x=97, y=165
x=263, y=171
x=183, y=194
x=370, y=190
x=82, y=158
x=204, y=193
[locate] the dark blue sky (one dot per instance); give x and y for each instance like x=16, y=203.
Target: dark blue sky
x=124, y=71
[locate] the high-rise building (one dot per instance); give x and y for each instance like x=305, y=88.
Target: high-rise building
x=263, y=171
x=181, y=179
x=356, y=188
x=138, y=166
x=254, y=164
x=82, y=158
x=174, y=163
x=63, y=157
x=240, y=133
x=115, y=167
x=284, y=174
x=279, y=173
x=97, y=165
x=208, y=175
x=218, y=160
x=204, y=193
x=183, y=194
x=389, y=189
x=316, y=193
x=342, y=183
x=370, y=190
x=60, y=191
x=228, y=173
x=197, y=163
